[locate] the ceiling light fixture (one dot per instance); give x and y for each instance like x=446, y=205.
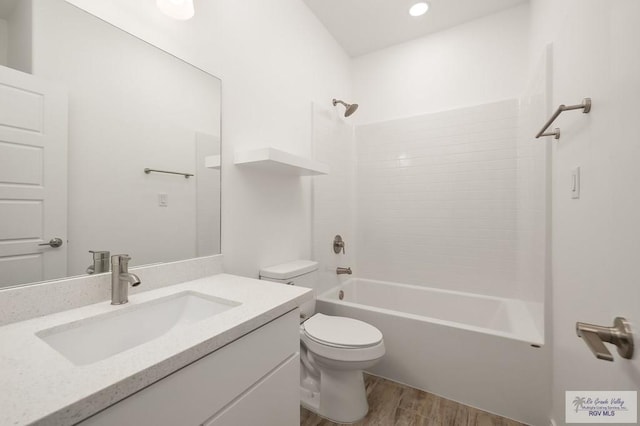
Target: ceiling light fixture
x=177, y=9
x=419, y=9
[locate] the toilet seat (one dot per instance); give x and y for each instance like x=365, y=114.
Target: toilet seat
x=341, y=332
x=338, y=338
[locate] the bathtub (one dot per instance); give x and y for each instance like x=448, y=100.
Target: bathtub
x=483, y=351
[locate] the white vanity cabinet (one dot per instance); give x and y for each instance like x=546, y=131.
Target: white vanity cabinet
x=251, y=381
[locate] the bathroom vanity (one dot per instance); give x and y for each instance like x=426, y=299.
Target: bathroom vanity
x=236, y=366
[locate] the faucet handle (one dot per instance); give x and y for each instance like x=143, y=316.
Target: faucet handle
x=119, y=260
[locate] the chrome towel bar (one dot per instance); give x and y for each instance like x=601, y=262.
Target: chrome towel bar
x=186, y=175
x=585, y=106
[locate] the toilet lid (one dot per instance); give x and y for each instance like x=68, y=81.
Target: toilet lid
x=341, y=331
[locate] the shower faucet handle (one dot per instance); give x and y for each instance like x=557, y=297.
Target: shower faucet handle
x=338, y=244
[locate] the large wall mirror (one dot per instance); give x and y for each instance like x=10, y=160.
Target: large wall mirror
x=85, y=108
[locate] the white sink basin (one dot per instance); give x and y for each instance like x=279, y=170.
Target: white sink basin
x=99, y=337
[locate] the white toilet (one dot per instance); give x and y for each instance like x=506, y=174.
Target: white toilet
x=333, y=351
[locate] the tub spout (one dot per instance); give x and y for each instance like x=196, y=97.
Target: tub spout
x=341, y=271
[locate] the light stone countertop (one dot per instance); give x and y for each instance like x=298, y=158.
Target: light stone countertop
x=40, y=386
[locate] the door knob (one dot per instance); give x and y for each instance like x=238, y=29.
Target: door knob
x=619, y=335
x=54, y=242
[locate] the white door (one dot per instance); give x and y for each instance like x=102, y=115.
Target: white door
x=33, y=179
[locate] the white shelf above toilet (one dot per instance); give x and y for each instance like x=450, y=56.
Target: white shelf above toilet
x=277, y=161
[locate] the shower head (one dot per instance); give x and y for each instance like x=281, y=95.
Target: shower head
x=351, y=108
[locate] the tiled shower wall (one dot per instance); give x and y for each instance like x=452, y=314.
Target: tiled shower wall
x=437, y=199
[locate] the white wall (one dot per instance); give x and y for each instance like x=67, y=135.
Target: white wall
x=478, y=62
x=274, y=58
x=277, y=58
x=595, y=238
x=128, y=111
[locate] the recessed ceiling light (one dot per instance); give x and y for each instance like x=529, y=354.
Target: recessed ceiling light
x=177, y=9
x=419, y=9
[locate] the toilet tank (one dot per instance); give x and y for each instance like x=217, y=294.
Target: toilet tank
x=302, y=273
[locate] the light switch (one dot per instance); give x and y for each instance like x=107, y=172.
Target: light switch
x=575, y=183
x=163, y=200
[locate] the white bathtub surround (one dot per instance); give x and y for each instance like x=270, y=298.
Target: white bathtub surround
x=45, y=388
x=469, y=348
x=26, y=302
x=437, y=199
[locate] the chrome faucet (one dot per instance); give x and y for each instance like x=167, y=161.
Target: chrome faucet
x=341, y=271
x=120, y=278
x=100, y=262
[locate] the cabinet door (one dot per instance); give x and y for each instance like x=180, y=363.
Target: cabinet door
x=273, y=401
x=193, y=394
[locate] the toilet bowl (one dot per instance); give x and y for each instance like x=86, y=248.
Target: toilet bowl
x=334, y=351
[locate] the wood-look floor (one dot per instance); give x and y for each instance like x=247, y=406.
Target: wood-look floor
x=393, y=404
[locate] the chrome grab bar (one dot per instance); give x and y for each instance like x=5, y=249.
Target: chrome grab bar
x=186, y=175
x=585, y=106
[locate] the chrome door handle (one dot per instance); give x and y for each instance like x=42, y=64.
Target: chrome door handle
x=619, y=335
x=54, y=242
